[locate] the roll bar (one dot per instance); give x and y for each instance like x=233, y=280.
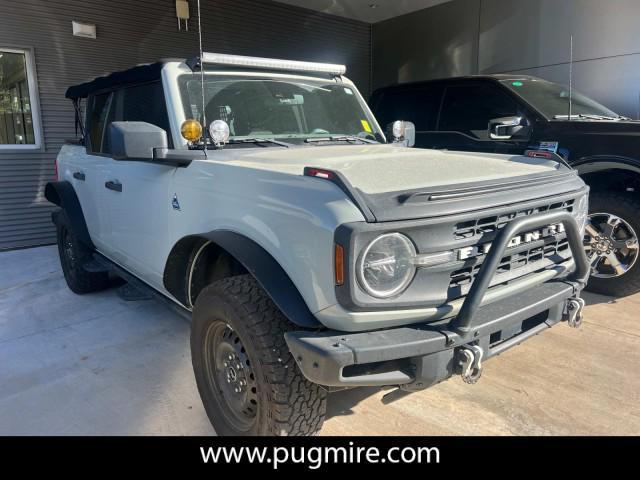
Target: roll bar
x=463, y=322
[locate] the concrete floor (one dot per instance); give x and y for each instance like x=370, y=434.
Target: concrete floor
x=96, y=365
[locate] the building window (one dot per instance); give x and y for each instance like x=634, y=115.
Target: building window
x=19, y=122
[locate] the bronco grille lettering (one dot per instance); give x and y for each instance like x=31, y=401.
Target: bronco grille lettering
x=473, y=251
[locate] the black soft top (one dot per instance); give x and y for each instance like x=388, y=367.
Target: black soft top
x=139, y=74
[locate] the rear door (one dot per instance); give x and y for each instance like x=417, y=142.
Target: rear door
x=87, y=165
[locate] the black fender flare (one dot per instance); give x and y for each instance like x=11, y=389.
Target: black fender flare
x=598, y=163
x=63, y=194
x=268, y=273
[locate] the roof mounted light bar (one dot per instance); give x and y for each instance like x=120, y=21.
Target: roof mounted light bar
x=272, y=63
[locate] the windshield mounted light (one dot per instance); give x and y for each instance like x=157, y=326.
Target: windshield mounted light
x=219, y=132
x=191, y=130
x=272, y=63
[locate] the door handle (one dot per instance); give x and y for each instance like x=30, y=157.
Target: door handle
x=79, y=176
x=113, y=185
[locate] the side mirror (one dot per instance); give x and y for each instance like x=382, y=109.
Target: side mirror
x=135, y=140
x=403, y=132
x=508, y=128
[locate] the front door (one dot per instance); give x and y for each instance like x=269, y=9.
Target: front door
x=139, y=199
x=467, y=109
x=137, y=194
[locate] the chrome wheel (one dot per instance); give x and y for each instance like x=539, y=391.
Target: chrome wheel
x=230, y=376
x=611, y=245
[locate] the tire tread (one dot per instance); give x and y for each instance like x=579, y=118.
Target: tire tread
x=296, y=406
x=79, y=280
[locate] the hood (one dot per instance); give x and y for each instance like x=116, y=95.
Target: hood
x=391, y=183
x=375, y=169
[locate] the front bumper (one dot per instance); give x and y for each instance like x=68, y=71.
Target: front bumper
x=418, y=356
x=422, y=355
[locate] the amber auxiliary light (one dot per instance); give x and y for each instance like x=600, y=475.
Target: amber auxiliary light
x=191, y=130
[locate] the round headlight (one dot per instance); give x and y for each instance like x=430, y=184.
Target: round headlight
x=219, y=132
x=386, y=267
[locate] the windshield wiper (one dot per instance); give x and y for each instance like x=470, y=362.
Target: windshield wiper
x=340, y=138
x=587, y=116
x=259, y=140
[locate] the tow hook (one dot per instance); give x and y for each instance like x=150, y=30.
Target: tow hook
x=574, y=312
x=471, y=363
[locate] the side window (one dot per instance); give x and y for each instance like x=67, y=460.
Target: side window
x=99, y=115
x=417, y=105
x=468, y=109
x=19, y=115
x=144, y=103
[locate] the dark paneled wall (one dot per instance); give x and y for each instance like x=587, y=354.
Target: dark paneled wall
x=533, y=37
x=139, y=31
x=518, y=36
x=436, y=42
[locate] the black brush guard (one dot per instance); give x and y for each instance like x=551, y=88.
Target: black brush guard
x=420, y=355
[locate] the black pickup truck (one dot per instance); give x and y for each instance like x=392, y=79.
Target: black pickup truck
x=511, y=114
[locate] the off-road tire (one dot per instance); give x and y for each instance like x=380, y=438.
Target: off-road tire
x=287, y=403
x=627, y=207
x=73, y=255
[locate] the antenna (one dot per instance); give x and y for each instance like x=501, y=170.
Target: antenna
x=204, y=116
x=570, y=77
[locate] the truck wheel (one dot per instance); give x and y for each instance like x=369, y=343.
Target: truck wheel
x=248, y=381
x=73, y=255
x=611, y=242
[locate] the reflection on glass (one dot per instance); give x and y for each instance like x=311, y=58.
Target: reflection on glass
x=16, y=122
x=286, y=109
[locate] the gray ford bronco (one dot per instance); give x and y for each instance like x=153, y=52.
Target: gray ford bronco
x=262, y=200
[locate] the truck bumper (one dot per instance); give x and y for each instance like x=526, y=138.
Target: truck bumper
x=421, y=355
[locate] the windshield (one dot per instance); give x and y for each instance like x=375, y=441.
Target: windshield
x=552, y=99
x=287, y=109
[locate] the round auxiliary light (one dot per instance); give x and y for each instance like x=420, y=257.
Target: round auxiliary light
x=191, y=130
x=386, y=266
x=219, y=132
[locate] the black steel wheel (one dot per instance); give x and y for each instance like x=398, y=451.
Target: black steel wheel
x=248, y=381
x=230, y=376
x=73, y=255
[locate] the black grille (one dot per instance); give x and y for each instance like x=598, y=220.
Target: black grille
x=486, y=225
x=555, y=249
